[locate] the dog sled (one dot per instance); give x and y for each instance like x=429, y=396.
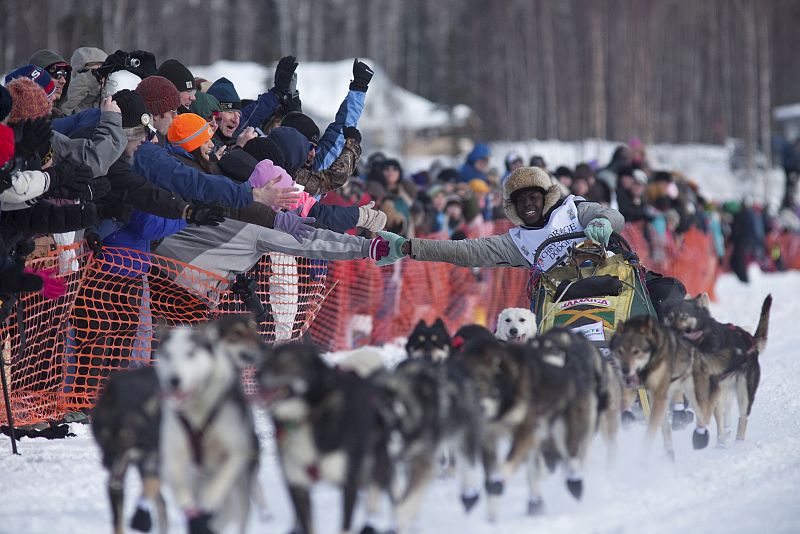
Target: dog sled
x=591, y=290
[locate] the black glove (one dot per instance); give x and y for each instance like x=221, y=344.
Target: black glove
x=113, y=63
x=351, y=132
x=14, y=280
x=117, y=211
x=93, y=242
x=283, y=76
x=204, y=214
x=362, y=74
x=68, y=180
x=34, y=138
x=294, y=104
x=141, y=63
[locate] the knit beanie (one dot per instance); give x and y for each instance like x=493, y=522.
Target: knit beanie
x=178, y=74
x=135, y=118
x=37, y=74
x=292, y=144
x=159, y=95
x=266, y=171
x=6, y=144
x=226, y=94
x=205, y=105
x=263, y=148
x=304, y=124
x=189, y=131
x=5, y=103
x=30, y=102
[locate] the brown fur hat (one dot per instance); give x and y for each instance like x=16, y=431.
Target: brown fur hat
x=525, y=177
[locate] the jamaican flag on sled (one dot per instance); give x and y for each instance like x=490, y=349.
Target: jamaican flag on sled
x=591, y=299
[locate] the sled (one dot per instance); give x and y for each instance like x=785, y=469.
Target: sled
x=591, y=291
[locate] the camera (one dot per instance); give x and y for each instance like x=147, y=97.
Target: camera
x=245, y=288
x=133, y=62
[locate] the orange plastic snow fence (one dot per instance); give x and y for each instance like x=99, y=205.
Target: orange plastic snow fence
x=59, y=352
x=58, y=361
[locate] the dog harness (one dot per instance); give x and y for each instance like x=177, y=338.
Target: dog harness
x=196, y=434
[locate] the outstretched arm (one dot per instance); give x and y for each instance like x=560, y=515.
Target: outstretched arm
x=495, y=251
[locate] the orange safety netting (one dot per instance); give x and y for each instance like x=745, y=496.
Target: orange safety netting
x=105, y=321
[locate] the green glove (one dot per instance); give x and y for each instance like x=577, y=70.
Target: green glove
x=599, y=230
x=396, y=243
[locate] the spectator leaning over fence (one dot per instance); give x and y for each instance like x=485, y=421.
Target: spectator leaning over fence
x=535, y=205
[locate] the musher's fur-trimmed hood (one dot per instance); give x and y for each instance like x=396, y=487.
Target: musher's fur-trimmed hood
x=523, y=178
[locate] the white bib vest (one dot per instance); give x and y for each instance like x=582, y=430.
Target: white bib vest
x=563, y=220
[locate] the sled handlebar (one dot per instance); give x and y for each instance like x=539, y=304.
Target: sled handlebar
x=572, y=235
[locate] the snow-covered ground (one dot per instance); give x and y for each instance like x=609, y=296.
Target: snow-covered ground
x=58, y=486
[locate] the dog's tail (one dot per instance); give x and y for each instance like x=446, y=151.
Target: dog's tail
x=760, y=336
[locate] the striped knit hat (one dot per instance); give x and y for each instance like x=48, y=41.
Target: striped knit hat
x=189, y=131
x=37, y=74
x=29, y=101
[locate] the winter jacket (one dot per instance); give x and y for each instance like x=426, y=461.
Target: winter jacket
x=235, y=247
x=104, y=148
x=319, y=182
x=73, y=123
x=631, y=211
x=161, y=168
x=500, y=250
x=468, y=171
x=256, y=113
x=128, y=187
x=47, y=218
x=332, y=141
x=136, y=234
x=84, y=89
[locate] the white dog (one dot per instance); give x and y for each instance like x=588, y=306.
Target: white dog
x=209, y=447
x=516, y=325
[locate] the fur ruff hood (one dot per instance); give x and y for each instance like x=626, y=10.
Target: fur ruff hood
x=523, y=178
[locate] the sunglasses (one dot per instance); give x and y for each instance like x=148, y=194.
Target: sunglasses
x=58, y=73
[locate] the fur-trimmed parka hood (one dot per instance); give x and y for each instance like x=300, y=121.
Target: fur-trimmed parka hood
x=523, y=178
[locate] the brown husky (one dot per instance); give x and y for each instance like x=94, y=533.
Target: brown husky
x=692, y=319
x=665, y=363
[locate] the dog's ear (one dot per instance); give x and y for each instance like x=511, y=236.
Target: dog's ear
x=703, y=300
x=440, y=324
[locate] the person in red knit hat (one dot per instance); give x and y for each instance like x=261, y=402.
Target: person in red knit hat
x=162, y=100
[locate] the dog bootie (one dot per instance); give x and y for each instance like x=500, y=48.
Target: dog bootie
x=141, y=520
x=575, y=487
x=200, y=524
x=494, y=487
x=700, y=438
x=469, y=500
x=627, y=418
x=681, y=419
x=535, y=506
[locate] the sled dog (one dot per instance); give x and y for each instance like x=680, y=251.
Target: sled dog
x=516, y=325
x=431, y=342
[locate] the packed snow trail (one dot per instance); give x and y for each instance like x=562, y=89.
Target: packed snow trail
x=59, y=486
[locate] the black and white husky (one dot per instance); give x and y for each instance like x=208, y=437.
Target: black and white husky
x=209, y=449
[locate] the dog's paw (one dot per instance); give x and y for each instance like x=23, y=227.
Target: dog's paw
x=495, y=487
x=670, y=455
x=575, y=487
x=368, y=529
x=141, y=520
x=535, y=506
x=627, y=418
x=469, y=500
x=700, y=438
